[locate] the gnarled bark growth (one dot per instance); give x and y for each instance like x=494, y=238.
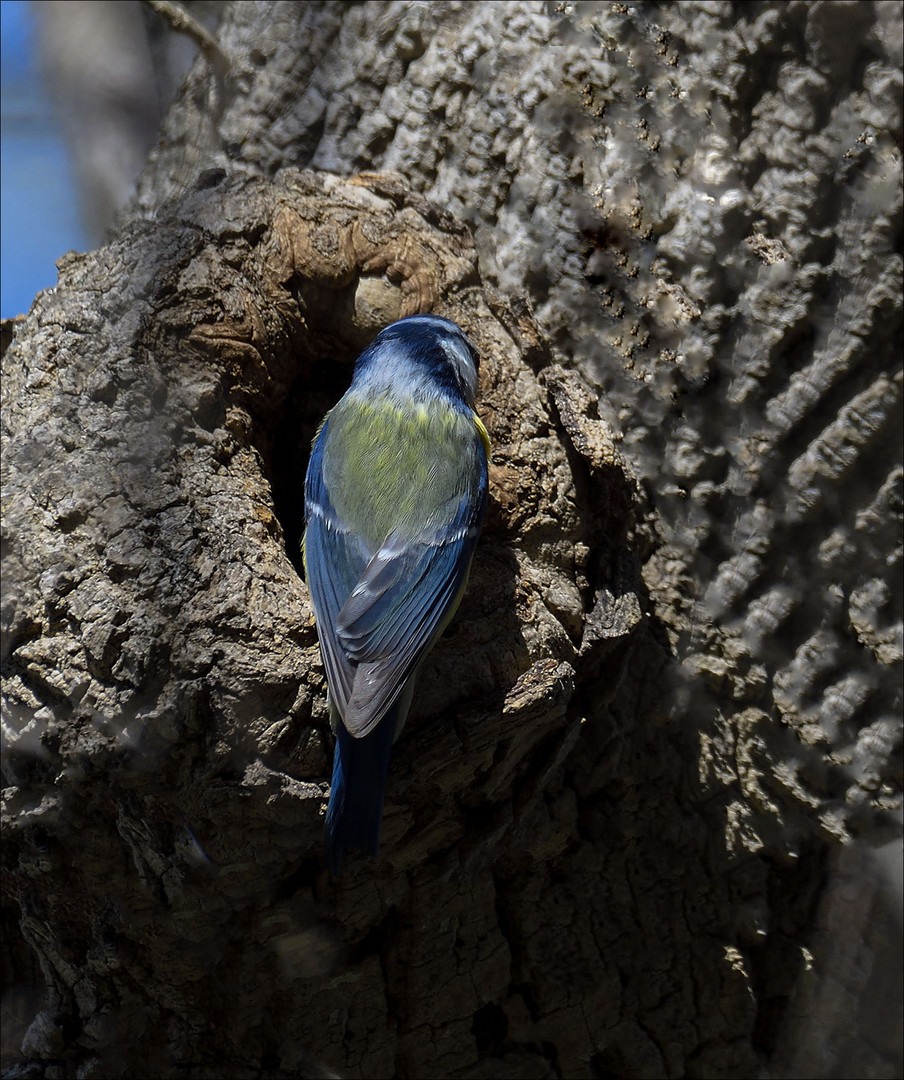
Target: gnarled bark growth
x=165, y=691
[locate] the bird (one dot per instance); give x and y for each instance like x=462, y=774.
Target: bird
x=395, y=500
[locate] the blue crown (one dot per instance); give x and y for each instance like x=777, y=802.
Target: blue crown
x=422, y=345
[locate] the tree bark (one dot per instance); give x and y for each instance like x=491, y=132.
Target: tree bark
x=632, y=819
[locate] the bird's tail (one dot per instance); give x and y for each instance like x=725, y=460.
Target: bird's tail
x=354, y=815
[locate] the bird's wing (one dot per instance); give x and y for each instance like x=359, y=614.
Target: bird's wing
x=402, y=602
x=334, y=560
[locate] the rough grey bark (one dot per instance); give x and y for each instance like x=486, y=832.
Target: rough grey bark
x=613, y=837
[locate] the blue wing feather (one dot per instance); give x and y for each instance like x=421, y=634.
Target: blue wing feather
x=403, y=579
x=401, y=604
x=334, y=561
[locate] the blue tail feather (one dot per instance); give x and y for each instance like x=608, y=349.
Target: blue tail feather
x=354, y=815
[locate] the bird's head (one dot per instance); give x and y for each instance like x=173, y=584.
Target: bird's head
x=421, y=353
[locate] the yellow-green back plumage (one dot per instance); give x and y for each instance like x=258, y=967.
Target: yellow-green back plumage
x=402, y=467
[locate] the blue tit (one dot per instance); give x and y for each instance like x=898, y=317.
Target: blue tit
x=395, y=497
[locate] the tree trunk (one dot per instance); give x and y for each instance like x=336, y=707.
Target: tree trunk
x=635, y=825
